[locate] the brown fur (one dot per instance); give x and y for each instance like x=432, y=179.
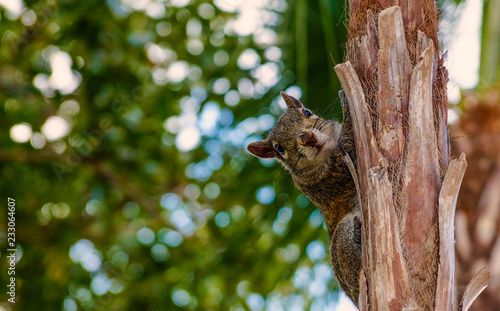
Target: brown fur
x=329, y=184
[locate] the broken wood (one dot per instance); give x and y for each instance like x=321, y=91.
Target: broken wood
x=408, y=204
x=445, y=297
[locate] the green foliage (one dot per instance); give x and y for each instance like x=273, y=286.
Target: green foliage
x=489, y=63
x=318, y=35
x=119, y=205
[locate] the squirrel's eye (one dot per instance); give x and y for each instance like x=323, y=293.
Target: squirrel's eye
x=307, y=113
x=279, y=148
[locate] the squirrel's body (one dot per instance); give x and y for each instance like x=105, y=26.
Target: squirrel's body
x=313, y=150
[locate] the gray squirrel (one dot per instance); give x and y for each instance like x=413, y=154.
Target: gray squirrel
x=313, y=150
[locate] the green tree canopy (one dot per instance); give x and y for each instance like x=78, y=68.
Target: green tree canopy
x=123, y=143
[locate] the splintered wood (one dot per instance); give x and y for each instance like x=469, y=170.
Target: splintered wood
x=401, y=145
x=421, y=180
x=389, y=275
x=445, y=297
x=394, y=70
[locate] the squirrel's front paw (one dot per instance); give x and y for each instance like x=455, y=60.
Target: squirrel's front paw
x=357, y=230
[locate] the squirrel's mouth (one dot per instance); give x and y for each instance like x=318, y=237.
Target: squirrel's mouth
x=310, y=140
x=319, y=148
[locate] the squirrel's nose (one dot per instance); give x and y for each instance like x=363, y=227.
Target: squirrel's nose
x=308, y=138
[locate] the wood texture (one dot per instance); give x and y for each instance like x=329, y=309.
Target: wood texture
x=389, y=275
x=475, y=287
x=445, y=296
x=394, y=71
x=367, y=46
x=401, y=139
x=421, y=181
x=366, y=149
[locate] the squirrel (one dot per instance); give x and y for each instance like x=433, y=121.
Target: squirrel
x=313, y=150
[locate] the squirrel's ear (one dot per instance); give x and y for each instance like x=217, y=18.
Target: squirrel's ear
x=291, y=102
x=261, y=149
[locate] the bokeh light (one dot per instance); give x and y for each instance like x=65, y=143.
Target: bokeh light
x=181, y=297
x=146, y=236
x=21, y=133
x=316, y=250
x=131, y=210
x=266, y=195
x=100, y=284
x=170, y=237
x=84, y=252
x=159, y=252
x=222, y=219
x=188, y=139
x=55, y=128
x=170, y=201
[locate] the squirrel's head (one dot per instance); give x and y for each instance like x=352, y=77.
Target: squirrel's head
x=300, y=140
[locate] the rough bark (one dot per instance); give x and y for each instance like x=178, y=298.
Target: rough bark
x=393, y=80
x=394, y=72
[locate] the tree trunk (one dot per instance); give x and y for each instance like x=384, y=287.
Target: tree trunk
x=395, y=83
x=478, y=209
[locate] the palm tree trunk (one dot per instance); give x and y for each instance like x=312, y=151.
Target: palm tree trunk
x=395, y=83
